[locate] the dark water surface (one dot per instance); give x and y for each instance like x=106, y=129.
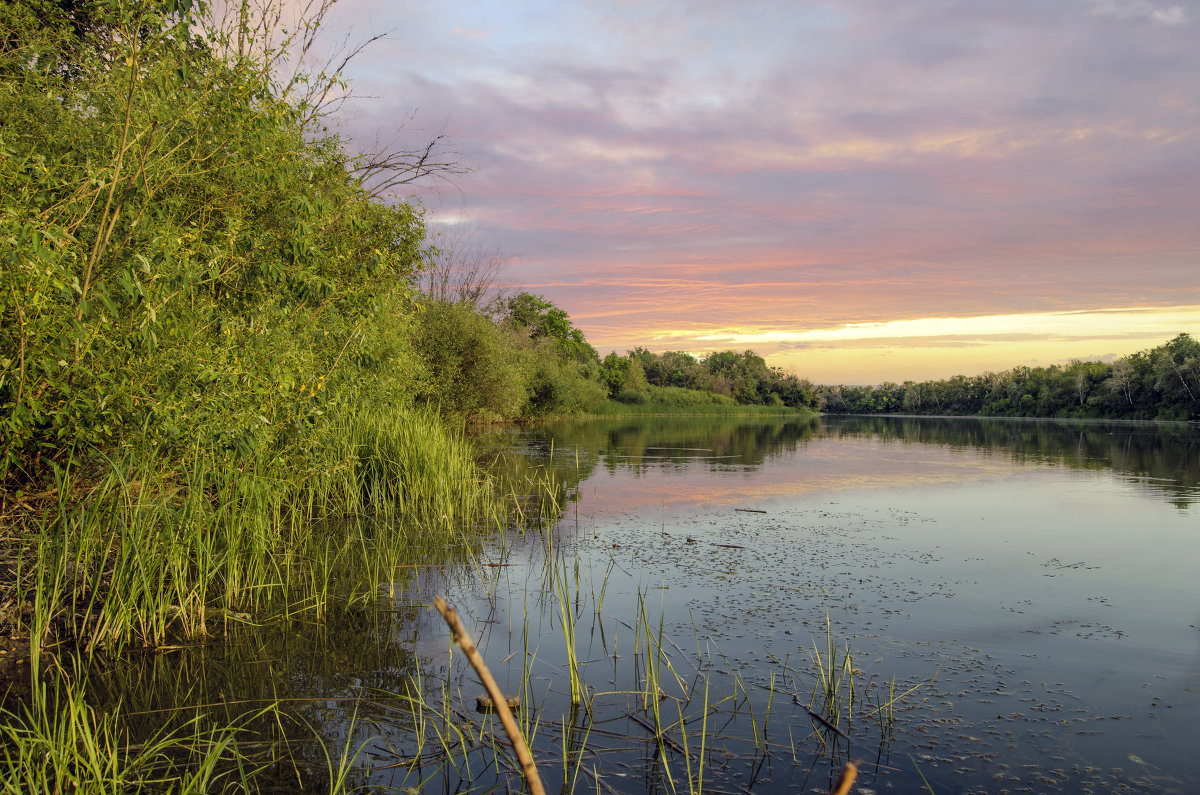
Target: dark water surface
x=1042, y=574
x=1036, y=582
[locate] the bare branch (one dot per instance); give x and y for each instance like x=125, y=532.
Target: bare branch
x=389, y=166
x=281, y=40
x=462, y=271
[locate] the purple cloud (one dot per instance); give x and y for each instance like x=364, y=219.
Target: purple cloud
x=809, y=164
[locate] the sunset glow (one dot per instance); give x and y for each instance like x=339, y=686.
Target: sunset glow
x=927, y=348
x=860, y=191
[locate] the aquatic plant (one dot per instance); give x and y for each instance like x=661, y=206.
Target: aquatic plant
x=56, y=742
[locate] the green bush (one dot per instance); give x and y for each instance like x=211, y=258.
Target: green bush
x=186, y=264
x=678, y=396
x=632, y=396
x=473, y=365
x=558, y=386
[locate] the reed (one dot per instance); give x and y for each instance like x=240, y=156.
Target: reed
x=567, y=626
x=695, y=781
x=885, y=712
x=56, y=742
x=139, y=556
x=574, y=744
x=833, y=693
x=136, y=554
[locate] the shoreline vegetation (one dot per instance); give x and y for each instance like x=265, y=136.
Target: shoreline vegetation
x=224, y=398
x=1161, y=383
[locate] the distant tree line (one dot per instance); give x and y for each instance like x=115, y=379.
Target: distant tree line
x=744, y=378
x=491, y=355
x=1161, y=383
x=521, y=357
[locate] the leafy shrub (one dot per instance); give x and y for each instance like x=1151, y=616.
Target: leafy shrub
x=678, y=396
x=187, y=264
x=473, y=365
x=557, y=386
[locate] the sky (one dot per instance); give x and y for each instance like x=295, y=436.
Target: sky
x=858, y=190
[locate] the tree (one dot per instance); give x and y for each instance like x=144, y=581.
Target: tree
x=1177, y=374
x=1121, y=380
x=541, y=319
x=635, y=379
x=474, y=366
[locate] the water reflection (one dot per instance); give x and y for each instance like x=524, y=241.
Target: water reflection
x=1014, y=581
x=1163, y=458
x=325, y=676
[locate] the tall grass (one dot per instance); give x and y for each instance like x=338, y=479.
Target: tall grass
x=56, y=742
x=139, y=556
x=833, y=691
x=403, y=465
x=562, y=591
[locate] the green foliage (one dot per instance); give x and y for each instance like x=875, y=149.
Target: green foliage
x=485, y=370
x=475, y=365
x=1160, y=383
x=635, y=379
x=562, y=371
x=57, y=742
x=558, y=385
x=206, y=334
x=540, y=319
x=673, y=400
x=184, y=264
x=678, y=396
x=743, y=378
x=622, y=375
x=632, y=396
x=614, y=370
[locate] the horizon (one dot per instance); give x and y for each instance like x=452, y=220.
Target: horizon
x=860, y=192
x=941, y=375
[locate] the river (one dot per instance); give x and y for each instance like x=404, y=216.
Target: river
x=1016, y=603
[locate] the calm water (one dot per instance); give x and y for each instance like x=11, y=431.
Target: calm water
x=1040, y=577
x=1036, y=582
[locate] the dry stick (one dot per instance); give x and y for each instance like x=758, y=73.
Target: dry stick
x=506, y=717
x=661, y=736
x=849, y=773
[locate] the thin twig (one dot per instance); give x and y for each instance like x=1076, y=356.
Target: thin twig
x=506, y=717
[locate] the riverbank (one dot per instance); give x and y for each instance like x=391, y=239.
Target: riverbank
x=113, y=569
x=652, y=408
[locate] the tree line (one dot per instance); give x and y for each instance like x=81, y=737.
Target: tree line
x=195, y=265
x=742, y=378
x=1161, y=383
x=521, y=357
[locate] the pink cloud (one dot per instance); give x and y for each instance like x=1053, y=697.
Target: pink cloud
x=803, y=163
